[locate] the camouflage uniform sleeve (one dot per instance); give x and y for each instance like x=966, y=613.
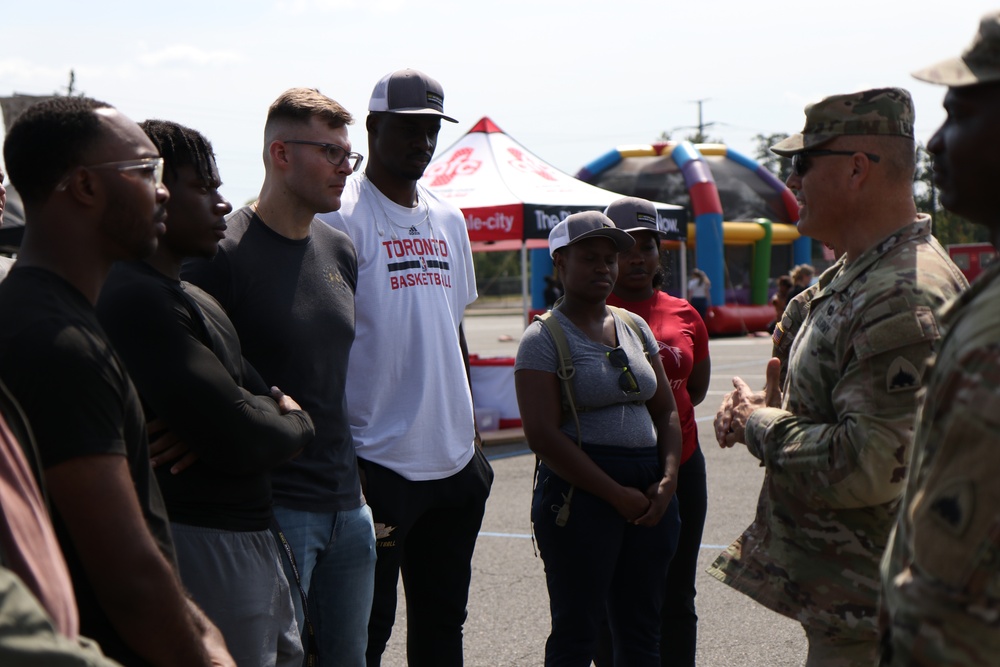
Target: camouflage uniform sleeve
x=28, y=637
x=941, y=578
x=856, y=455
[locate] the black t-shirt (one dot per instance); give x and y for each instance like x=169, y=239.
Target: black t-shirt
x=183, y=354
x=59, y=365
x=292, y=302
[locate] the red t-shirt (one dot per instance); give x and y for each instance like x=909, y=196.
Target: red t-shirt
x=683, y=340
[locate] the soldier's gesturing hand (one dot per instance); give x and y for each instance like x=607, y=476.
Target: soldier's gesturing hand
x=739, y=404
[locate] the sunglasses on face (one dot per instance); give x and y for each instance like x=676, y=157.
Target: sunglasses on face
x=626, y=381
x=335, y=154
x=801, y=162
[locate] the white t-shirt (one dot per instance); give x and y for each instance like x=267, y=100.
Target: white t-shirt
x=697, y=288
x=408, y=396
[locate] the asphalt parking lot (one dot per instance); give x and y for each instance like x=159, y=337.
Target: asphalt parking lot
x=508, y=606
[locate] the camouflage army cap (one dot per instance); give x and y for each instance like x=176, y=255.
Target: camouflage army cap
x=980, y=63
x=880, y=111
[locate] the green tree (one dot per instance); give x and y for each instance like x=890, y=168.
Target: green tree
x=779, y=166
x=947, y=227
x=696, y=137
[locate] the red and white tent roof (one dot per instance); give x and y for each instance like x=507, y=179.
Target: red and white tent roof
x=507, y=193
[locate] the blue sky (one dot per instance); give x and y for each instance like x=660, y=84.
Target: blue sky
x=570, y=79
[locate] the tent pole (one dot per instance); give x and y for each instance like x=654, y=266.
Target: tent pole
x=524, y=283
x=684, y=270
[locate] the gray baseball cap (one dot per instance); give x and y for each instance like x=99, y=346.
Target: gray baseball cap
x=587, y=225
x=411, y=92
x=632, y=214
x=979, y=63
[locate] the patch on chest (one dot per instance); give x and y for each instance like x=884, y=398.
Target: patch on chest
x=902, y=376
x=952, y=507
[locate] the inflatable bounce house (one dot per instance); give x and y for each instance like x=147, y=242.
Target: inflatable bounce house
x=742, y=214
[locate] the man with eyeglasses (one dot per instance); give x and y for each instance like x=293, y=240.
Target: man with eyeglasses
x=5, y=262
x=287, y=282
x=941, y=573
x=90, y=182
x=837, y=448
x=409, y=400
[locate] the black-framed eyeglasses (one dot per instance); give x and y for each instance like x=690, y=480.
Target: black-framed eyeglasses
x=627, y=381
x=801, y=164
x=335, y=154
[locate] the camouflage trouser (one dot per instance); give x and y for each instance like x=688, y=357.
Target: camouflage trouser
x=825, y=651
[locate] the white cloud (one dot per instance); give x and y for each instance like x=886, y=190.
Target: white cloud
x=21, y=69
x=185, y=54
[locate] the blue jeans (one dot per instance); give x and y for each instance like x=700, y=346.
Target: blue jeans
x=335, y=554
x=598, y=563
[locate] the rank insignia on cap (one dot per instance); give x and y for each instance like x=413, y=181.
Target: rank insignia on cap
x=902, y=376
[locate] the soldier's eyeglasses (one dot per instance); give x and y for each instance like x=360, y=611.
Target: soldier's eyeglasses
x=626, y=381
x=335, y=154
x=801, y=163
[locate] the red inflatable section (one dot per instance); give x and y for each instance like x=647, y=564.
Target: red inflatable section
x=735, y=319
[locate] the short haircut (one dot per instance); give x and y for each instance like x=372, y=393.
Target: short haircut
x=300, y=105
x=899, y=154
x=47, y=140
x=180, y=146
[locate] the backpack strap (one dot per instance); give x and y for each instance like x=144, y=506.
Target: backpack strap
x=629, y=320
x=565, y=374
x=566, y=371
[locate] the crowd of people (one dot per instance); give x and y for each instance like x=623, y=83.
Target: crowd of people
x=203, y=515
x=216, y=448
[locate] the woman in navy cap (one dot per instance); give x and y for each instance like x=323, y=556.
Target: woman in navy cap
x=683, y=343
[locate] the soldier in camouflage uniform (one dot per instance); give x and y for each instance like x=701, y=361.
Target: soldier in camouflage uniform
x=941, y=573
x=791, y=321
x=836, y=450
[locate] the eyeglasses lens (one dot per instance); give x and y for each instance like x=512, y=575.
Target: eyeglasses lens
x=800, y=164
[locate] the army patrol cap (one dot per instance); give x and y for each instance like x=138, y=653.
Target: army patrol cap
x=980, y=63
x=880, y=111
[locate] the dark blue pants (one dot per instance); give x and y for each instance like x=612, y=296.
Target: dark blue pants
x=599, y=564
x=679, y=634
x=679, y=631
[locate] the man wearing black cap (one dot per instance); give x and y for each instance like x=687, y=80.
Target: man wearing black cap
x=836, y=449
x=408, y=391
x=941, y=572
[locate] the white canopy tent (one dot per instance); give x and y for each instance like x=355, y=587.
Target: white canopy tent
x=512, y=199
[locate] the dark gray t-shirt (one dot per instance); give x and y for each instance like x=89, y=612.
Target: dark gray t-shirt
x=608, y=415
x=292, y=303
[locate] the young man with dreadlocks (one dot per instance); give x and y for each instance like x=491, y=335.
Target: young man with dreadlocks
x=184, y=356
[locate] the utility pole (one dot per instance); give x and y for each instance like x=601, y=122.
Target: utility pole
x=701, y=124
x=71, y=88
